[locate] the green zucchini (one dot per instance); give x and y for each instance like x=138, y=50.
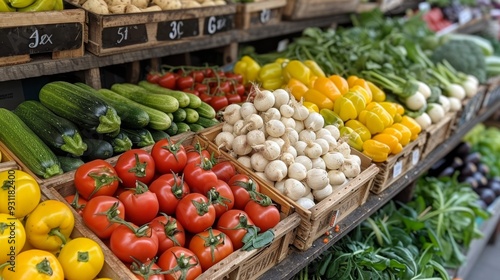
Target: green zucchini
x=28, y=147
x=192, y=115
x=181, y=96
x=131, y=115
x=79, y=106
x=195, y=127
x=58, y=133
x=140, y=137
x=164, y=103
x=97, y=149
x=205, y=122
x=69, y=163
x=121, y=143
x=172, y=130
x=182, y=127
x=206, y=111
x=157, y=119
x=158, y=134
x=194, y=101
x=179, y=115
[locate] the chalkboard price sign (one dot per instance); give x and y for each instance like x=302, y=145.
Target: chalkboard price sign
x=177, y=29
x=216, y=24
x=121, y=36
x=40, y=38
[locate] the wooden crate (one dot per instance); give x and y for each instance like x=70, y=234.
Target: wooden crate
x=383, y=5
x=325, y=214
x=470, y=107
x=257, y=14
x=119, y=33
x=239, y=265
x=438, y=133
x=397, y=165
x=59, y=33
x=492, y=94
x=301, y=9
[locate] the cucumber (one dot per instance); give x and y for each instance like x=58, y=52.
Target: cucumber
x=194, y=101
x=182, y=127
x=97, y=149
x=157, y=119
x=121, y=143
x=132, y=116
x=28, y=147
x=195, y=127
x=164, y=103
x=171, y=116
x=140, y=137
x=158, y=134
x=206, y=111
x=172, y=130
x=205, y=122
x=79, y=106
x=58, y=133
x=179, y=115
x=181, y=96
x=192, y=115
x=69, y=163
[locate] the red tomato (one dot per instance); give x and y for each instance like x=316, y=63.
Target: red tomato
x=201, y=88
x=185, y=262
x=209, y=72
x=153, y=77
x=197, y=75
x=129, y=242
x=218, y=102
x=238, y=78
x=170, y=233
x=225, y=87
x=169, y=156
x=195, y=213
x=235, y=223
x=169, y=189
x=221, y=197
x=185, y=82
x=241, y=184
x=76, y=202
x=96, y=178
x=141, y=205
x=168, y=80
x=199, y=176
x=135, y=165
x=238, y=89
x=205, y=97
x=233, y=98
x=210, y=247
x=195, y=153
x=99, y=215
x=224, y=170
x=193, y=91
x=146, y=271
x=263, y=213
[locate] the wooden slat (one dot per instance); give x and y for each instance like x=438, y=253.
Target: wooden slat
x=51, y=17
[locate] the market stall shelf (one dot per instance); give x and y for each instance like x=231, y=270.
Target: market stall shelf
x=301, y=9
x=438, y=133
x=257, y=14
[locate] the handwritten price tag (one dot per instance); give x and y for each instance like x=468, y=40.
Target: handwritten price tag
x=216, y=24
x=121, y=36
x=177, y=29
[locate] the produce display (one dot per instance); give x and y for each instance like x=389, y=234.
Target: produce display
x=139, y=6
x=31, y=5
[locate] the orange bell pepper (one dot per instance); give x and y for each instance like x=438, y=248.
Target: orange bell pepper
x=405, y=133
x=412, y=125
x=363, y=84
x=340, y=82
x=351, y=79
x=327, y=87
x=318, y=98
x=297, y=88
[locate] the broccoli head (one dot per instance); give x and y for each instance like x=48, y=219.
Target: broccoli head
x=464, y=56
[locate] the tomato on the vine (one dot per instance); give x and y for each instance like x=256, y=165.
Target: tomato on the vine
x=169, y=190
x=205, y=97
x=168, y=80
x=224, y=170
x=135, y=165
x=201, y=88
x=233, y=98
x=241, y=184
x=195, y=212
x=262, y=212
x=101, y=213
x=169, y=156
x=170, y=232
x=197, y=75
x=153, y=77
x=77, y=202
x=238, y=78
x=235, y=223
x=199, y=176
x=221, y=197
x=185, y=82
x=146, y=271
x=193, y=91
x=182, y=262
x=141, y=205
x=238, y=89
x=195, y=153
x=129, y=242
x=218, y=102
x=210, y=246
x=96, y=178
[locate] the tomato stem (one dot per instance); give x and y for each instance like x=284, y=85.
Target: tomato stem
x=140, y=187
x=43, y=267
x=170, y=228
x=260, y=198
x=139, y=168
x=214, y=197
x=201, y=207
x=213, y=241
x=101, y=179
x=249, y=186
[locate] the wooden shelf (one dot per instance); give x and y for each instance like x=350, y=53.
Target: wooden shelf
x=298, y=260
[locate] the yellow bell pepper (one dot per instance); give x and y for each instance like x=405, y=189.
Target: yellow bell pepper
x=364, y=85
x=357, y=99
x=298, y=70
x=391, y=141
x=331, y=118
x=351, y=79
x=412, y=125
x=340, y=82
x=282, y=61
x=378, y=94
x=315, y=69
x=12, y=238
x=81, y=258
x=327, y=87
x=311, y=107
x=270, y=75
x=318, y=98
x=381, y=112
x=360, y=128
x=345, y=109
x=372, y=121
x=296, y=88
x=377, y=151
x=353, y=138
x=248, y=68
x=34, y=264
x=394, y=132
x=390, y=107
x=405, y=133
x=19, y=194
